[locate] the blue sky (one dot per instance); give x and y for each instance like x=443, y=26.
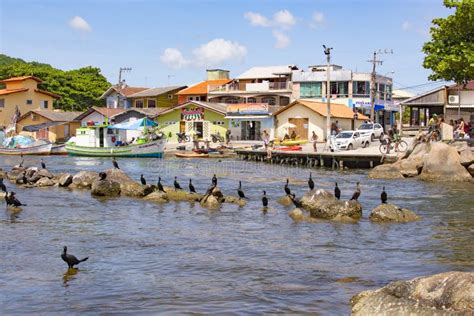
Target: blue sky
x=175, y=41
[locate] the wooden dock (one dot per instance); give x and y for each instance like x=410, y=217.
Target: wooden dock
x=335, y=160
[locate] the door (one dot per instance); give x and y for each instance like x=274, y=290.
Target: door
x=101, y=137
x=42, y=134
x=198, y=128
x=301, y=127
x=66, y=131
x=182, y=126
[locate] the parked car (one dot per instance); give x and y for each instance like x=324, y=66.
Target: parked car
x=374, y=130
x=348, y=140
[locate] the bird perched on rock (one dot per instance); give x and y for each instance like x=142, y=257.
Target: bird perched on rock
x=356, y=194
x=3, y=188
x=208, y=192
x=142, y=179
x=24, y=179
x=264, y=199
x=240, y=192
x=70, y=259
x=383, y=195
x=191, y=187
x=102, y=175
x=310, y=182
x=176, y=184
x=11, y=200
x=43, y=165
x=295, y=201
x=160, y=186
x=337, y=192
x=287, y=188
x=214, y=180
x=115, y=163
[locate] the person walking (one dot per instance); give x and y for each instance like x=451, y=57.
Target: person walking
x=314, y=139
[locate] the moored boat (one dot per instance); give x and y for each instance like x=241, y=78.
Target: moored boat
x=191, y=155
x=35, y=149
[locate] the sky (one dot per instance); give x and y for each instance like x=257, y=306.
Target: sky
x=174, y=42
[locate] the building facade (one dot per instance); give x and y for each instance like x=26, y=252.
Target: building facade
x=163, y=97
x=117, y=96
x=248, y=121
x=199, y=91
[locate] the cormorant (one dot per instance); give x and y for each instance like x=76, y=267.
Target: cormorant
x=356, y=194
x=115, y=163
x=383, y=196
x=296, y=202
x=24, y=179
x=2, y=185
x=176, y=184
x=208, y=192
x=264, y=199
x=337, y=192
x=160, y=186
x=240, y=192
x=70, y=259
x=43, y=165
x=214, y=180
x=310, y=182
x=191, y=187
x=102, y=175
x=142, y=179
x=12, y=200
x=287, y=189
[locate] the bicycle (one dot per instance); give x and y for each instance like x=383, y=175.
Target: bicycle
x=397, y=146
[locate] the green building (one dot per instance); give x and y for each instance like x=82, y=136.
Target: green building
x=163, y=97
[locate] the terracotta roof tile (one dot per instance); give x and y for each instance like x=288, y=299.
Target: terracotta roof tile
x=54, y=116
x=22, y=78
x=201, y=88
x=337, y=110
x=131, y=90
x=10, y=91
x=54, y=95
x=108, y=111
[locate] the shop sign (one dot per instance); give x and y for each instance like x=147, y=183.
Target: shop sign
x=192, y=114
x=248, y=109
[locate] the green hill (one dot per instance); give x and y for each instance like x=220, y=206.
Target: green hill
x=79, y=88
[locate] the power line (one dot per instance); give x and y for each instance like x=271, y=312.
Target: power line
x=421, y=85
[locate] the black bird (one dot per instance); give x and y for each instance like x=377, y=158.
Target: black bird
x=310, y=182
x=287, y=189
x=102, y=175
x=115, y=163
x=142, y=179
x=21, y=160
x=70, y=259
x=240, y=192
x=12, y=200
x=176, y=184
x=2, y=185
x=24, y=179
x=214, y=180
x=337, y=192
x=43, y=165
x=383, y=196
x=191, y=187
x=264, y=199
x=160, y=186
x=356, y=194
x=208, y=192
x=296, y=202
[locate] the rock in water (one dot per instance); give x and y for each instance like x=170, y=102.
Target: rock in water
x=65, y=180
x=321, y=204
x=285, y=200
x=466, y=157
x=159, y=197
x=84, y=179
x=44, y=182
x=387, y=171
x=450, y=293
x=45, y=173
x=128, y=186
x=105, y=188
x=392, y=213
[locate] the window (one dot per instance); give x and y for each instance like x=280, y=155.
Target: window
x=2, y=103
x=190, y=98
x=361, y=89
x=151, y=103
x=231, y=100
x=170, y=96
x=310, y=89
x=29, y=102
x=222, y=123
x=44, y=104
x=381, y=91
x=139, y=104
x=340, y=89
x=388, y=89
x=269, y=100
x=252, y=100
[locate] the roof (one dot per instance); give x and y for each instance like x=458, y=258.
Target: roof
x=125, y=91
x=202, y=87
x=423, y=94
x=54, y=116
x=267, y=72
x=220, y=108
x=149, y=112
x=467, y=86
x=107, y=112
x=337, y=110
x=155, y=91
x=54, y=95
x=397, y=94
x=37, y=127
x=10, y=91
x=22, y=78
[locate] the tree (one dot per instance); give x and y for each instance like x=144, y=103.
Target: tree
x=450, y=53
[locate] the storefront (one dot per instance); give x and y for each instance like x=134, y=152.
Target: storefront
x=385, y=112
x=248, y=121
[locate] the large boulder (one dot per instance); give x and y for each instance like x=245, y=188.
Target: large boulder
x=159, y=197
x=466, y=157
x=84, y=179
x=285, y=200
x=128, y=186
x=45, y=173
x=321, y=204
x=31, y=171
x=105, y=188
x=181, y=195
x=64, y=180
x=449, y=293
x=44, y=182
x=386, y=171
x=214, y=199
x=443, y=164
x=470, y=169
x=15, y=174
x=392, y=213
x=313, y=195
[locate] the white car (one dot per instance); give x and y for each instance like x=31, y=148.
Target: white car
x=373, y=130
x=348, y=140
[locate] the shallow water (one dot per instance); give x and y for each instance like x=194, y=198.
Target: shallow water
x=182, y=258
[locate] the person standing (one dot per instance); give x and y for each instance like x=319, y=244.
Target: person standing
x=227, y=136
x=314, y=139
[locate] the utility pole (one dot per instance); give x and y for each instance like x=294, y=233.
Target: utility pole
x=373, y=83
x=119, y=86
x=327, y=52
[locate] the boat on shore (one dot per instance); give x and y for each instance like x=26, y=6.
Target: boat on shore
x=35, y=149
x=58, y=149
x=191, y=154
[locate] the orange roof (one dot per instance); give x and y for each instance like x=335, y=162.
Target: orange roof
x=337, y=110
x=201, y=88
x=108, y=111
x=131, y=90
x=23, y=78
x=10, y=91
x=54, y=95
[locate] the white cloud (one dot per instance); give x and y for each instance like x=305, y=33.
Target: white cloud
x=80, y=24
x=284, y=19
x=282, y=40
x=217, y=51
x=318, y=18
x=406, y=26
x=173, y=58
x=256, y=19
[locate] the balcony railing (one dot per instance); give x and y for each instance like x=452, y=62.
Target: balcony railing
x=250, y=87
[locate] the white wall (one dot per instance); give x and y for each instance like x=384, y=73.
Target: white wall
x=95, y=117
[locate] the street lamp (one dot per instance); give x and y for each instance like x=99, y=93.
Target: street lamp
x=327, y=52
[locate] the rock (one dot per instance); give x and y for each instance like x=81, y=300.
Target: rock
x=449, y=293
x=15, y=174
x=31, y=171
x=84, y=179
x=321, y=204
x=443, y=164
x=181, y=195
x=459, y=146
x=214, y=200
x=3, y=174
x=34, y=177
x=45, y=173
x=105, y=188
x=392, y=213
x=386, y=171
x=235, y=200
x=470, y=169
x=64, y=180
x=156, y=196
x=311, y=196
x=466, y=157
x=128, y=186
x=44, y=182
x=285, y=201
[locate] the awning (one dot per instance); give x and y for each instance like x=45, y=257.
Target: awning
x=379, y=107
x=247, y=117
x=134, y=125
x=37, y=127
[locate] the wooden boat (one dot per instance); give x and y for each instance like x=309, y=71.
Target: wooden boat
x=291, y=142
x=290, y=148
x=58, y=149
x=191, y=155
x=35, y=149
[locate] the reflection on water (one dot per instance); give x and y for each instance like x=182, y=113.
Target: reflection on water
x=181, y=258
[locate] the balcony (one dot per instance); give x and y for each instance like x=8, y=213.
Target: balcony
x=265, y=86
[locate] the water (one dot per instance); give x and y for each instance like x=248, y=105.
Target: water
x=181, y=258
